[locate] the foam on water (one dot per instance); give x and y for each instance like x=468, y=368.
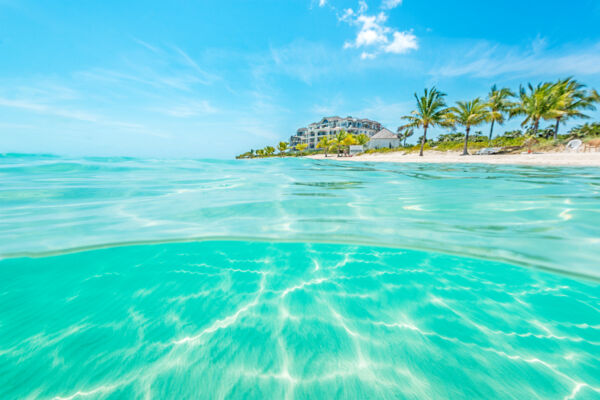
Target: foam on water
x=297, y=279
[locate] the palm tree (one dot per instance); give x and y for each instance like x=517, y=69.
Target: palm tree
x=362, y=139
x=586, y=129
x=282, y=146
x=431, y=111
x=338, y=140
x=498, y=105
x=534, y=104
x=468, y=114
x=268, y=150
x=406, y=132
x=348, y=141
x=301, y=147
x=325, y=143
x=340, y=136
x=570, y=97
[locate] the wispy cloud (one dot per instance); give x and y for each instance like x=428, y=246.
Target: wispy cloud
x=192, y=108
x=148, y=46
x=303, y=60
x=139, y=85
x=158, y=67
x=389, y=4
x=70, y=113
x=387, y=112
x=25, y=104
x=485, y=60
x=207, y=78
x=333, y=105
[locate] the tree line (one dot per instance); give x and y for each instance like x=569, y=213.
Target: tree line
x=558, y=102
x=340, y=143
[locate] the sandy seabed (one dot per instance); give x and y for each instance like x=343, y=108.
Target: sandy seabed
x=591, y=159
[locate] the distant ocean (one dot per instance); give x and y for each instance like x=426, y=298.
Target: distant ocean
x=297, y=279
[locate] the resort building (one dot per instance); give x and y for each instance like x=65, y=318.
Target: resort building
x=384, y=139
x=330, y=126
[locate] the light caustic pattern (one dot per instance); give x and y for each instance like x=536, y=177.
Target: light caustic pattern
x=256, y=320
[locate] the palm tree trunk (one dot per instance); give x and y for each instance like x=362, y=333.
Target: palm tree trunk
x=423, y=140
x=536, y=125
x=465, y=152
x=556, y=129
x=492, y=130
x=404, y=144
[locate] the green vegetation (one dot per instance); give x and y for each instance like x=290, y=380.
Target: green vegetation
x=554, y=102
x=468, y=114
x=340, y=144
x=404, y=133
x=535, y=103
x=301, y=147
x=570, y=97
x=431, y=111
x=326, y=144
x=282, y=147
x=498, y=106
x=362, y=139
x=585, y=130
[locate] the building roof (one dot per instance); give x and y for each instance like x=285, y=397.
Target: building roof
x=333, y=118
x=317, y=126
x=369, y=120
x=384, y=134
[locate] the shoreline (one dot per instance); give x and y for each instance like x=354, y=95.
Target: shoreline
x=560, y=159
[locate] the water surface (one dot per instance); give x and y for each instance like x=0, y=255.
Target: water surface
x=129, y=278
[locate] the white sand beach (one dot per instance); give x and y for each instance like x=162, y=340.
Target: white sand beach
x=574, y=159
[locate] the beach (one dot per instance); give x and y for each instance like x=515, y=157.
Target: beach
x=565, y=159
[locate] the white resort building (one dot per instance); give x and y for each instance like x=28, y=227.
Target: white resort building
x=330, y=126
x=384, y=139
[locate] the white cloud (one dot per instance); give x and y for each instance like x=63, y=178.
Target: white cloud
x=389, y=4
x=374, y=36
x=367, y=56
x=402, y=43
x=322, y=3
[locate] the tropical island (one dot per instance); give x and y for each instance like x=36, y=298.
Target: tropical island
x=551, y=102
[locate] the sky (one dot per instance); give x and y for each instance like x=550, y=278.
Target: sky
x=214, y=78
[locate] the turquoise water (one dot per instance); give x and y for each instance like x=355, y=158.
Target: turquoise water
x=295, y=279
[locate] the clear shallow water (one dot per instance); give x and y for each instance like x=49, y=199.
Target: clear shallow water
x=467, y=313
x=539, y=216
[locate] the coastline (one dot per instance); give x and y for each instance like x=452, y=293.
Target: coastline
x=563, y=159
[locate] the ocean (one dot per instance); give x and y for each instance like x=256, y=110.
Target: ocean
x=127, y=278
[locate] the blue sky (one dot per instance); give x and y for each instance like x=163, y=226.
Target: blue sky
x=215, y=78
